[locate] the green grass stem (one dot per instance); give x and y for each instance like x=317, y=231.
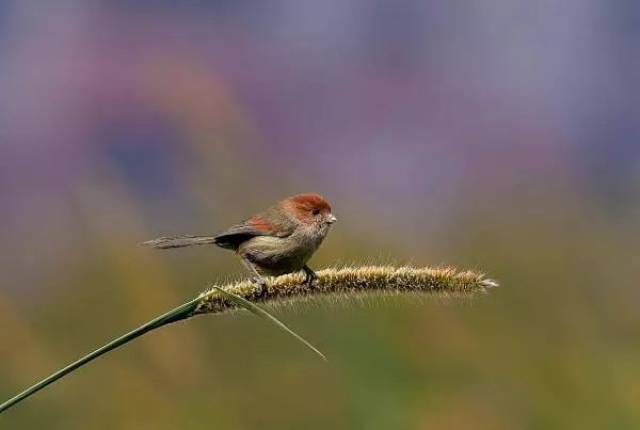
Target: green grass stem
x=344, y=282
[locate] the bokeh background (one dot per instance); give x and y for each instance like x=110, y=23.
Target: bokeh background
x=496, y=135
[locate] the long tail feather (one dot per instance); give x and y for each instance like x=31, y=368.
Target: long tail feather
x=179, y=241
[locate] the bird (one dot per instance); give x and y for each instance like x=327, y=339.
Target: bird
x=274, y=242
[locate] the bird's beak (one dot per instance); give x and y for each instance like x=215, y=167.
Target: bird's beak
x=331, y=219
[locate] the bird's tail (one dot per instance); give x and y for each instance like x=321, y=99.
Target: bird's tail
x=179, y=241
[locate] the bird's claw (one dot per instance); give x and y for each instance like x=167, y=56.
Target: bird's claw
x=311, y=280
x=261, y=286
x=310, y=283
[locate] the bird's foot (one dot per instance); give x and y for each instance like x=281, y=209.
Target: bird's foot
x=310, y=279
x=261, y=286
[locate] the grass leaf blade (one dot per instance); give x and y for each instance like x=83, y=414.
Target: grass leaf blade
x=257, y=310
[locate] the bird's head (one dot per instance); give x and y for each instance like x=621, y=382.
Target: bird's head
x=310, y=209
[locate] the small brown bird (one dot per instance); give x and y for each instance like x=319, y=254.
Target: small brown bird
x=276, y=241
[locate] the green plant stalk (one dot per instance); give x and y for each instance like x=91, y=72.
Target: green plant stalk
x=177, y=314
x=180, y=313
x=347, y=281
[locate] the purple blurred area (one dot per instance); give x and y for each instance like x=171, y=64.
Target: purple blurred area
x=437, y=129
x=385, y=98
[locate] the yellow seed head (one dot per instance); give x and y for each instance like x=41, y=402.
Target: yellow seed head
x=350, y=281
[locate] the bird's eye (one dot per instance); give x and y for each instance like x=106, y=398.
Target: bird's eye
x=315, y=212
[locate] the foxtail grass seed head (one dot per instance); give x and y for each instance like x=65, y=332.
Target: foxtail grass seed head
x=349, y=281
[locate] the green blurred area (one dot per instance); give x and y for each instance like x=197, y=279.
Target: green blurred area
x=554, y=348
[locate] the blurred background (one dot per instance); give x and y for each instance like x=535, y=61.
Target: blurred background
x=499, y=136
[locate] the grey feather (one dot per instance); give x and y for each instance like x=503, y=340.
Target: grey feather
x=179, y=241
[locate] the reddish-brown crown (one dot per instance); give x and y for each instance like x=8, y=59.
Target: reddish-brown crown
x=304, y=204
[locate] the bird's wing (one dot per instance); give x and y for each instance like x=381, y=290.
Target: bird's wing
x=259, y=225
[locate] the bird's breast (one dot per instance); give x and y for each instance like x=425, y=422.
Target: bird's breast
x=276, y=256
